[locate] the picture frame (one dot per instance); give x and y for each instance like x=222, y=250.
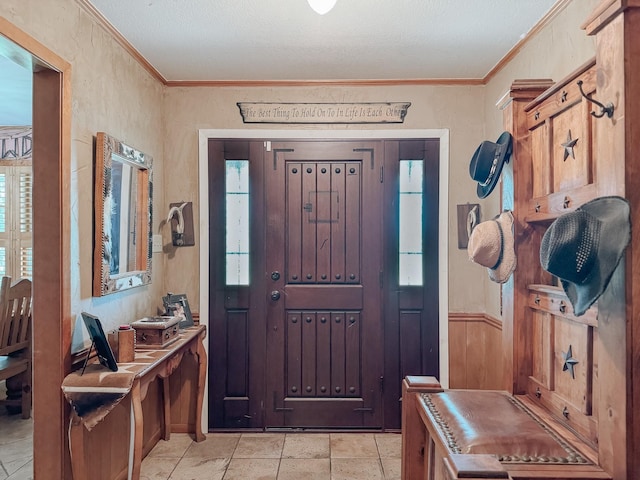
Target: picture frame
x=99, y=342
x=468, y=218
x=178, y=305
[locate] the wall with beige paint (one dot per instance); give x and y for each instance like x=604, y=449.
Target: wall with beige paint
x=557, y=50
x=468, y=112
x=458, y=109
x=112, y=93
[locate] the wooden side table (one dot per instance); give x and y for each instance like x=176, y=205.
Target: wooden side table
x=146, y=367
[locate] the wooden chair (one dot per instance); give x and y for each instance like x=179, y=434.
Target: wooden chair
x=15, y=339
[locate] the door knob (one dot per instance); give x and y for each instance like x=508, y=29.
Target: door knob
x=275, y=275
x=275, y=295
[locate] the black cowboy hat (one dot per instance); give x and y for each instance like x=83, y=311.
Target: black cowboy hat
x=487, y=161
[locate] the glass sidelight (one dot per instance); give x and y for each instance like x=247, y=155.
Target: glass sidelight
x=237, y=222
x=410, y=229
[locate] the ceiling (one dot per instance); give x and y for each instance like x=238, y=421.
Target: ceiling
x=286, y=41
x=226, y=40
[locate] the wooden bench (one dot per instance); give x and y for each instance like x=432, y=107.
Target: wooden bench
x=456, y=434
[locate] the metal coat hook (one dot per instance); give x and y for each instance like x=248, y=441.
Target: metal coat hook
x=608, y=108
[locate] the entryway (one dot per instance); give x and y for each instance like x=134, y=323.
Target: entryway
x=317, y=305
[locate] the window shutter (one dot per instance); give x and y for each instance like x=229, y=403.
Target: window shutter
x=5, y=240
x=24, y=233
x=26, y=262
x=16, y=221
x=3, y=202
x=26, y=200
x=3, y=260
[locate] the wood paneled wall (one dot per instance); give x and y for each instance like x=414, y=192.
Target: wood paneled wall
x=475, y=351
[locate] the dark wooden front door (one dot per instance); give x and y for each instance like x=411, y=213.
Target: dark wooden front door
x=324, y=250
x=322, y=333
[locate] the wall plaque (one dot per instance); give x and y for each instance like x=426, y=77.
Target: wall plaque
x=381, y=112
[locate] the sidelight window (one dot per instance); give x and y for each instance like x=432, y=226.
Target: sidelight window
x=410, y=228
x=237, y=222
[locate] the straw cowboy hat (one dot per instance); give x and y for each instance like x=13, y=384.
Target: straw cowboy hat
x=584, y=247
x=492, y=245
x=487, y=162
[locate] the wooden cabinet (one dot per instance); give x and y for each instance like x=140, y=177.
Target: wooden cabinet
x=563, y=348
x=580, y=369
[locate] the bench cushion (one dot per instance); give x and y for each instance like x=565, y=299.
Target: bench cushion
x=488, y=422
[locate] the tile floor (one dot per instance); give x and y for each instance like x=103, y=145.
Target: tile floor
x=276, y=456
x=16, y=447
x=234, y=456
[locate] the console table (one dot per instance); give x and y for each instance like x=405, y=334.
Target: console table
x=96, y=392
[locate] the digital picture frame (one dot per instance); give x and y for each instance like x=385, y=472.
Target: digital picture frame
x=100, y=342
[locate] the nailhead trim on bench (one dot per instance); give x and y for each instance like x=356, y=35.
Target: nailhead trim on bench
x=573, y=456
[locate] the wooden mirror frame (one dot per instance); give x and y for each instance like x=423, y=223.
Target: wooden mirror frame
x=109, y=150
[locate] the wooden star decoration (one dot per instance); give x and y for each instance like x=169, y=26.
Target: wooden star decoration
x=569, y=362
x=568, y=146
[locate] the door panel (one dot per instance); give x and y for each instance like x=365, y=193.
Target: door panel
x=411, y=312
x=326, y=325
x=323, y=237
x=237, y=328
x=323, y=296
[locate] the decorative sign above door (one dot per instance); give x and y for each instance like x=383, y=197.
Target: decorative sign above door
x=380, y=112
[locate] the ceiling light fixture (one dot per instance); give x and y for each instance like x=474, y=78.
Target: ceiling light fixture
x=322, y=6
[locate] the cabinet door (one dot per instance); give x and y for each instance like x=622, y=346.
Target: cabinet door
x=571, y=148
x=561, y=133
x=564, y=359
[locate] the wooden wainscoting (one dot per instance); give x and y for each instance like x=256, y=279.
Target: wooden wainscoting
x=475, y=351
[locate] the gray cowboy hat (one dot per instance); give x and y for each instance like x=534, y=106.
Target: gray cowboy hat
x=487, y=162
x=584, y=247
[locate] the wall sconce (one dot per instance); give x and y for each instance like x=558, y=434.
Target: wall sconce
x=322, y=6
x=181, y=220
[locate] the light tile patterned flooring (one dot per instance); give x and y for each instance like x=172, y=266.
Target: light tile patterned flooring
x=16, y=447
x=234, y=456
x=276, y=456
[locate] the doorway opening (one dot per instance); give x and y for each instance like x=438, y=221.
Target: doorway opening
x=319, y=365
x=51, y=245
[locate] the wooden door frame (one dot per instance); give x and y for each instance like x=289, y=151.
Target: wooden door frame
x=51, y=247
x=321, y=134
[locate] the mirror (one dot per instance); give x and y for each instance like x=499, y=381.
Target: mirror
x=123, y=231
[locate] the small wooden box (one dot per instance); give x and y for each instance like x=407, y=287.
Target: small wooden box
x=122, y=342
x=156, y=332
